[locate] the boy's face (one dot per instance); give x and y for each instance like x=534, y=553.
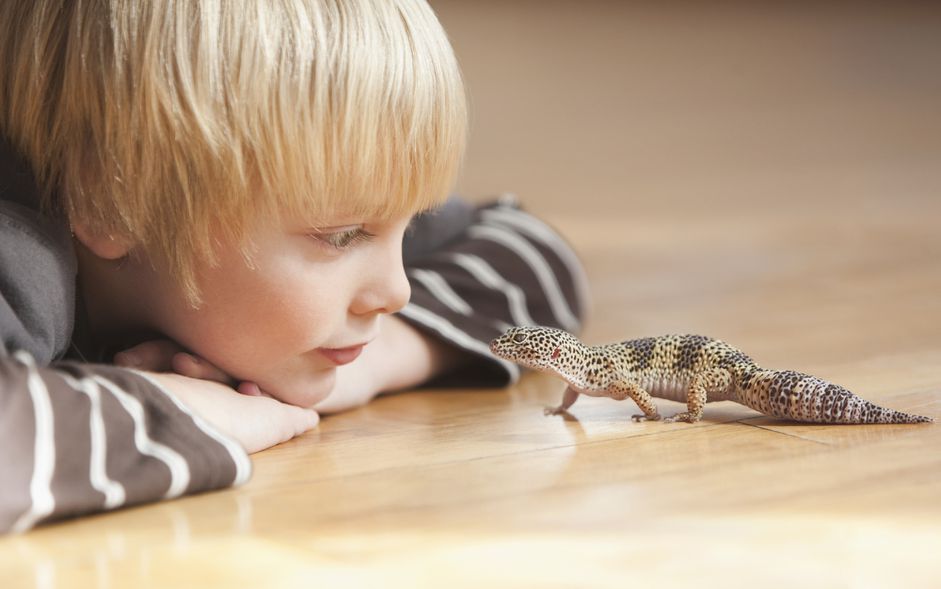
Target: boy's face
x=308, y=304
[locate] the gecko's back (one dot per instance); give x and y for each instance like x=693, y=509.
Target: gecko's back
x=680, y=353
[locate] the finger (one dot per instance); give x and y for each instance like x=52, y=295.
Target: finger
x=252, y=390
x=154, y=355
x=299, y=420
x=195, y=367
x=283, y=423
x=307, y=419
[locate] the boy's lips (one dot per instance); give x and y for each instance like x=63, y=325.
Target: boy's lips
x=341, y=356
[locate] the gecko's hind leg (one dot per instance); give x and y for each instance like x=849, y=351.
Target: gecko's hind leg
x=712, y=381
x=571, y=395
x=696, y=399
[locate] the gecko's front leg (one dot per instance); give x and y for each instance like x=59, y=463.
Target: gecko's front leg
x=623, y=389
x=571, y=395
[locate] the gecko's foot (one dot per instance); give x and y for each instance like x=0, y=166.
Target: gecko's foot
x=685, y=416
x=642, y=417
x=554, y=411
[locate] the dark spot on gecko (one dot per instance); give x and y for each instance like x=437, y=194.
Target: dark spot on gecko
x=640, y=352
x=689, y=351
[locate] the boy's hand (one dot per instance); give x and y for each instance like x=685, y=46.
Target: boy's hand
x=401, y=357
x=254, y=422
x=207, y=391
x=163, y=355
x=356, y=385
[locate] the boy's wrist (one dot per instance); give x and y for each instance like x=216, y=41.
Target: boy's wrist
x=412, y=357
x=401, y=357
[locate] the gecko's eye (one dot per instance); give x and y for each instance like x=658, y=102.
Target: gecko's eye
x=520, y=338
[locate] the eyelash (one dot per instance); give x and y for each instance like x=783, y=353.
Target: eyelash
x=342, y=240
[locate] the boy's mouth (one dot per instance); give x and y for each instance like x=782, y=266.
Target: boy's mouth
x=341, y=356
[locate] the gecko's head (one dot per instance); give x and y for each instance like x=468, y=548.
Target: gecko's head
x=540, y=348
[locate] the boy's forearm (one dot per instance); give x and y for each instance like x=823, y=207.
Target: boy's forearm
x=48, y=428
x=409, y=357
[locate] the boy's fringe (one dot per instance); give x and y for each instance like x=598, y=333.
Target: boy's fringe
x=179, y=123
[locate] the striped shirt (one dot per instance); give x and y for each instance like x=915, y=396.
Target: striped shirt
x=79, y=438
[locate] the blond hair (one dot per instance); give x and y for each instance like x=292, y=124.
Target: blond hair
x=161, y=119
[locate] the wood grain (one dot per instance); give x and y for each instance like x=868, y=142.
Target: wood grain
x=770, y=176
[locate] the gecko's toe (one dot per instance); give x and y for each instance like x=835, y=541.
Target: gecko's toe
x=641, y=417
x=685, y=416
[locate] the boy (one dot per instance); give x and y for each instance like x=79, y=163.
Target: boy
x=215, y=195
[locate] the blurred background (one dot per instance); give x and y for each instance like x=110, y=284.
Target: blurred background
x=701, y=105
x=764, y=172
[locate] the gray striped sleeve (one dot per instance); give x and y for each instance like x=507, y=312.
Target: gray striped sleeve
x=78, y=439
x=506, y=267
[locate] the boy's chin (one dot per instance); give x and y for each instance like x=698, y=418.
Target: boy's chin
x=303, y=391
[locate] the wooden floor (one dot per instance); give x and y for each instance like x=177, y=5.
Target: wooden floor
x=770, y=176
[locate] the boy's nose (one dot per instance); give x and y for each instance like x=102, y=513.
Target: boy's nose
x=398, y=290
x=387, y=289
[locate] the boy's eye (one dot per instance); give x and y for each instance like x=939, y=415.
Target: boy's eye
x=343, y=239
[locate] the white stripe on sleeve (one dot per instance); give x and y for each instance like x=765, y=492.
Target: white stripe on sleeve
x=455, y=335
x=114, y=492
x=243, y=464
x=537, y=230
x=486, y=275
x=179, y=469
x=42, y=503
x=537, y=263
x=441, y=290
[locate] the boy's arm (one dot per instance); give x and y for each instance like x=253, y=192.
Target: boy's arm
x=473, y=272
x=505, y=268
x=79, y=438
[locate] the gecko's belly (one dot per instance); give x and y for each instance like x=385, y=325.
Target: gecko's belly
x=666, y=385
x=674, y=385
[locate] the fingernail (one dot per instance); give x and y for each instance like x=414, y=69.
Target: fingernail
x=127, y=359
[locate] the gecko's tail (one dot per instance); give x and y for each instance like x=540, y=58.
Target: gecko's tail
x=801, y=397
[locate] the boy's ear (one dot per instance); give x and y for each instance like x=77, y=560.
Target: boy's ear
x=108, y=246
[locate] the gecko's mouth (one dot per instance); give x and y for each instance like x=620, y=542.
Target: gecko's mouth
x=514, y=353
x=502, y=349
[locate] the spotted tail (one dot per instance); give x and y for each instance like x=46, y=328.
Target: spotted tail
x=801, y=397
